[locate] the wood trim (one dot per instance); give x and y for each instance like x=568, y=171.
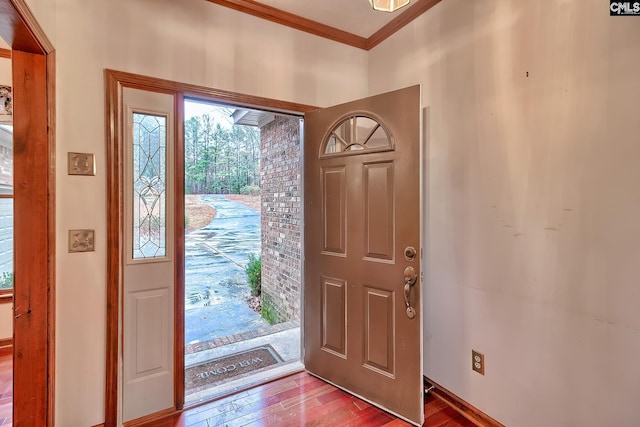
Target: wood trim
x=152, y=418
x=6, y=196
x=411, y=13
x=99, y=425
x=114, y=82
x=179, y=285
x=36, y=33
x=51, y=224
x=5, y=53
x=31, y=297
x=33, y=65
x=467, y=410
x=6, y=296
x=19, y=28
x=205, y=93
x=291, y=20
x=14, y=31
x=113, y=250
x=6, y=344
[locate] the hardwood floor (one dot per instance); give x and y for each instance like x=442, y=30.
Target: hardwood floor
x=6, y=387
x=298, y=400
x=303, y=400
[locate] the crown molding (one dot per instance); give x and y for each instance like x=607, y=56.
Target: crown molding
x=411, y=13
x=294, y=21
x=291, y=20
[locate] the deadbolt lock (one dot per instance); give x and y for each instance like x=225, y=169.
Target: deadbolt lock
x=410, y=253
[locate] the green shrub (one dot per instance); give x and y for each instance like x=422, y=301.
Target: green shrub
x=252, y=190
x=254, y=274
x=6, y=280
x=269, y=312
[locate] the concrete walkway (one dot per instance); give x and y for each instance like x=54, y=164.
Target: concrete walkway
x=218, y=322
x=215, y=281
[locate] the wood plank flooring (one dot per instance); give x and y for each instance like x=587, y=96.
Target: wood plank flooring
x=298, y=400
x=6, y=387
x=303, y=400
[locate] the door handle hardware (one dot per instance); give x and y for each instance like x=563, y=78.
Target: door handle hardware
x=410, y=253
x=410, y=278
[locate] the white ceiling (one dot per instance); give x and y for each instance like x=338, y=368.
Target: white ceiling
x=354, y=16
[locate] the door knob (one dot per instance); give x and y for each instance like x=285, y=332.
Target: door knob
x=410, y=278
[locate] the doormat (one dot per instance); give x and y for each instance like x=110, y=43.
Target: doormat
x=233, y=365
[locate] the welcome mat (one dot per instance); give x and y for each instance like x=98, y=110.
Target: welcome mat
x=233, y=365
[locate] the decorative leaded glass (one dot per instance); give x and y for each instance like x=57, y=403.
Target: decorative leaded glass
x=149, y=186
x=357, y=133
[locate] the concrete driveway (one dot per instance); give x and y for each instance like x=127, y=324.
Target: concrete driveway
x=215, y=281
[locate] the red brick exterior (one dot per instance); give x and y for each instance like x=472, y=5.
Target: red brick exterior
x=281, y=189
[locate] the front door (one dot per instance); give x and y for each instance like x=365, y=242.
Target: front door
x=362, y=319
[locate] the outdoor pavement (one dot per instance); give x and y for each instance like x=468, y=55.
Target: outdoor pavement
x=218, y=321
x=215, y=280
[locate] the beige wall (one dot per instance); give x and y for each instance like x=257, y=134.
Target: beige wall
x=533, y=202
x=6, y=321
x=191, y=41
x=532, y=210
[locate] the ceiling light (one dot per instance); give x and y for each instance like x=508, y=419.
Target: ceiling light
x=388, y=5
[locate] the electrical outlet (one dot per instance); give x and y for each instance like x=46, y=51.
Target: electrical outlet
x=477, y=362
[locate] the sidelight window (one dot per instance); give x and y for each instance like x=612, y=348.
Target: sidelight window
x=149, y=186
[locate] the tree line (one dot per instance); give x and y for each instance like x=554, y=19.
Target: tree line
x=219, y=159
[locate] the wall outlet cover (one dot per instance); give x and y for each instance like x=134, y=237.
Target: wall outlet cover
x=477, y=362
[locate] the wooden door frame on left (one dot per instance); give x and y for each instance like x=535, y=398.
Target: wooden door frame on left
x=33, y=70
x=115, y=81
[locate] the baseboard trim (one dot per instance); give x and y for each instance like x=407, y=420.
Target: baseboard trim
x=152, y=418
x=465, y=409
x=6, y=342
x=99, y=425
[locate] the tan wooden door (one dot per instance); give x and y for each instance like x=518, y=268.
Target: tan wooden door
x=362, y=238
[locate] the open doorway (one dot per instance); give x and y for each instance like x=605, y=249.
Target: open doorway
x=6, y=271
x=243, y=228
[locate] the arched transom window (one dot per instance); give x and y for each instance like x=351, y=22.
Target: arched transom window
x=356, y=134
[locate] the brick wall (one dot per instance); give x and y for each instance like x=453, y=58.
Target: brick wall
x=281, y=215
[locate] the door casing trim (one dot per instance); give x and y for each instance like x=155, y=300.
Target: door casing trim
x=34, y=309
x=115, y=81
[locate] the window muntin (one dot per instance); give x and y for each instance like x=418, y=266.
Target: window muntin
x=356, y=133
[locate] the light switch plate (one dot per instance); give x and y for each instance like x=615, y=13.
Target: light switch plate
x=81, y=164
x=81, y=240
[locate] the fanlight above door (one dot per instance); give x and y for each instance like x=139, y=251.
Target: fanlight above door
x=355, y=134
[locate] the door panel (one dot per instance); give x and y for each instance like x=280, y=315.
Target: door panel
x=333, y=210
x=148, y=294
x=379, y=213
x=379, y=345
x=362, y=164
x=334, y=316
